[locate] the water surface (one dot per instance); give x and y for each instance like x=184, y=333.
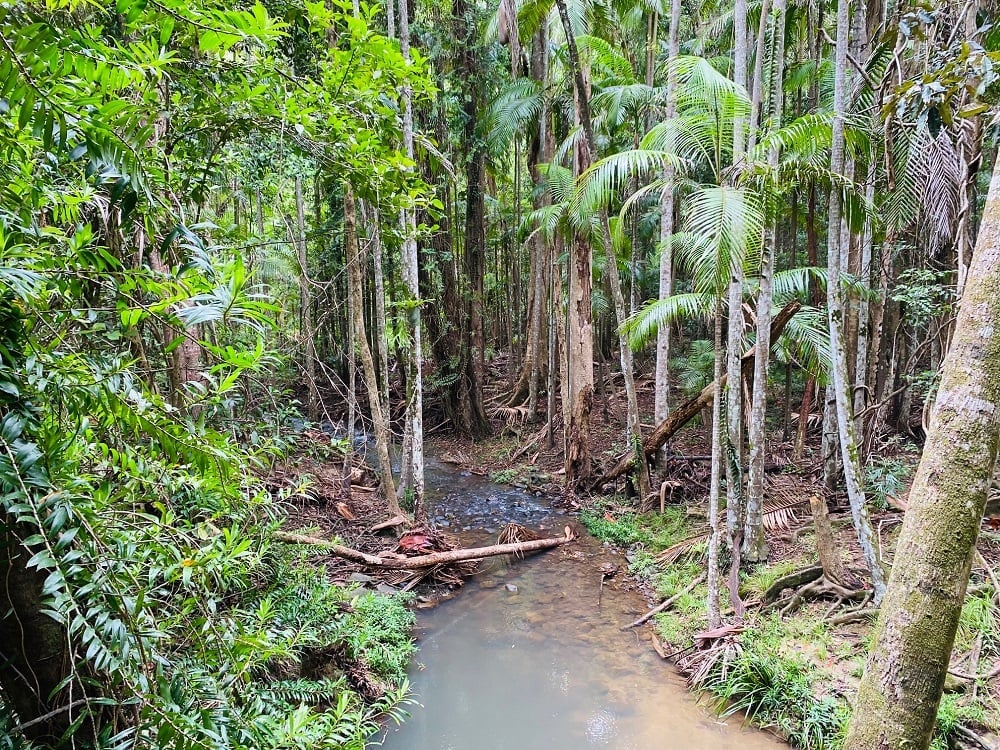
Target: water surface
x=530, y=655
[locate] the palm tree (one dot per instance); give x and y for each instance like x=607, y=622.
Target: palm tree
x=723, y=223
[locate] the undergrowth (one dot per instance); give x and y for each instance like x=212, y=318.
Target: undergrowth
x=653, y=531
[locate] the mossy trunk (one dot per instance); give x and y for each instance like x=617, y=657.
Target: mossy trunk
x=900, y=691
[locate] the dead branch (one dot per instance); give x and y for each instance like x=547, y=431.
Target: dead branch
x=692, y=407
x=666, y=604
x=399, y=562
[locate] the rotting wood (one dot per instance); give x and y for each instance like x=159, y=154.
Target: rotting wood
x=666, y=604
x=826, y=547
x=693, y=406
x=399, y=562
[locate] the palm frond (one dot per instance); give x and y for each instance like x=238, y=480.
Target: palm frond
x=607, y=179
x=604, y=56
x=806, y=343
x=618, y=102
x=517, y=104
x=783, y=515
x=727, y=224
x=641, y=327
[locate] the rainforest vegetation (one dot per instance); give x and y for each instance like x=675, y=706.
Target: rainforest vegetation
x=725, y=275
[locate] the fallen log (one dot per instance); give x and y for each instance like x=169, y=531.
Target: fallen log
x=693, y=406
x=400, y=562
x=666, y=604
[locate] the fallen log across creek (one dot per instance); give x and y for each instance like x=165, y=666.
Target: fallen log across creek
x=401, y=562
x=687, y=411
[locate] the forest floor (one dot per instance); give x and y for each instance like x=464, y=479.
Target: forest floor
x=794, y=662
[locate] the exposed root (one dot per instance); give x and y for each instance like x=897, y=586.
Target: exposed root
x=792, y=580
x=820, y=588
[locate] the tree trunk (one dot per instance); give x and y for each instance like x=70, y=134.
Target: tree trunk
x=35, y=661
x=305, y=307
x=902, y=685
x=413, y=455
x=861, y=378
x=734, y=400
x=661, y=406
x=841, y=384
x=714, y=614
x=379, y=411
x=754, y=545
x=580, y=328
x=587, y=156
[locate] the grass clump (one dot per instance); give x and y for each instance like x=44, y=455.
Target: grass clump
x=654, y=531
x=777, y=691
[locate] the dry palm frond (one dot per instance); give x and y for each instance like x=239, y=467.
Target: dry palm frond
x=515, y=533
x=712, y=663
x=515, y=417
x=782, y=515
x=940, y=197
x=675, y=552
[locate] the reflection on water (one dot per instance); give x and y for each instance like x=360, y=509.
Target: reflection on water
x=525, y=658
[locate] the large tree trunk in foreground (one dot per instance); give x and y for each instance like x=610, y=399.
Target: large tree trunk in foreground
x=34, y=658
x=900, y=691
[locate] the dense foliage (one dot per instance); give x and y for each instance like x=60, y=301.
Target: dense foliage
x=140, y=326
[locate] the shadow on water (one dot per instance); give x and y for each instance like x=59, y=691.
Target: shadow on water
x=529, y=656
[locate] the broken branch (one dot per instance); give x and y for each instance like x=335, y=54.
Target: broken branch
x=665, y=604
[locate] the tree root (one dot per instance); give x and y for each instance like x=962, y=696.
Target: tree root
x=968, y=738
x=792, y=580
x=818, y=589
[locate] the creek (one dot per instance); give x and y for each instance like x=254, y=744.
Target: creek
x=529, y=654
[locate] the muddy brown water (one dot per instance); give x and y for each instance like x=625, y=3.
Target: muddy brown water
x=529, y=655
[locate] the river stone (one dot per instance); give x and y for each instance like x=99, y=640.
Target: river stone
x=385, y=588
x=511, y=588
x=359, y=578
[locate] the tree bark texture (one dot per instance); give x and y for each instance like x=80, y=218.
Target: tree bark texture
x=379, y=411
x=580, y=327
x=900, y=691
x=841, y=382
x=754, y=543
x=661, y=406
x=35, y=662
x=305, y=307
x=413, y=455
